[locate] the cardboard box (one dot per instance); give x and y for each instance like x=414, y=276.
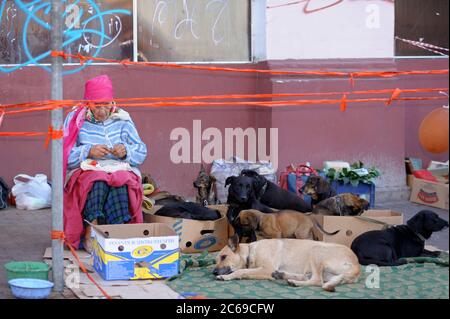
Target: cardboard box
x=351, y=227
x=429, y=193
x=139, y=251
x=195, y=236
x=439, y=169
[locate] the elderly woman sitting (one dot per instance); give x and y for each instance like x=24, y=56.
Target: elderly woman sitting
x=102, y=152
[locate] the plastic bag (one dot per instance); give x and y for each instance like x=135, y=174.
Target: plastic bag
x=32, y=193
x=293, y=178
x=222, y=169
x=4, y=192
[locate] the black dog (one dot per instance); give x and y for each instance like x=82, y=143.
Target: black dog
x=241, y=196
x=387, y=247
x=188, y=210
x=318, y=188
x=274, y=196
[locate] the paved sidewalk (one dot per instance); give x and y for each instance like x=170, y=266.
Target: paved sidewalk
x=24, y=236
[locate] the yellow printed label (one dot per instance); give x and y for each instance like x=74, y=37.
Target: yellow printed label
x=142, y=252
x=144, y=273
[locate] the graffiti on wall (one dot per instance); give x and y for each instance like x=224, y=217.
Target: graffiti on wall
x=90, y=27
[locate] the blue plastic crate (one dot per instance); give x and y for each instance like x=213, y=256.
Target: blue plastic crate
x=367, y=190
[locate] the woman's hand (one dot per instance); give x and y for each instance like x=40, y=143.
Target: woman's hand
x=99, y=151
x=119, y=151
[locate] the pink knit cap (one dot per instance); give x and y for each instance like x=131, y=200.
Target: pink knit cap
x=99, y=88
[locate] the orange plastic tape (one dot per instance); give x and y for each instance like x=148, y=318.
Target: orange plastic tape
x=50, y=105
x=274, y=72
x=51, y=135
x=59, y=235
x=246, y=103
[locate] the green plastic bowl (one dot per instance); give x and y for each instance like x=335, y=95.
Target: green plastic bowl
x=27, y=269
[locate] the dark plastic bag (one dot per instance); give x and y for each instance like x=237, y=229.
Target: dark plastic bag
x=4, y=191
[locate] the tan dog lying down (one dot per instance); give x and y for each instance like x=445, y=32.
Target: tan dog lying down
x=299, y=262
x=282, y=224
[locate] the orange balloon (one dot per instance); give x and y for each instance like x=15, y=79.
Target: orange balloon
x=433, y=132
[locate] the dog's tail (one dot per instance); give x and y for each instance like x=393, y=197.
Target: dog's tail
x=319, y=227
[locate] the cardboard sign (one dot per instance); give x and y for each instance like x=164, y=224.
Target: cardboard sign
x=140, y=251
x=430, y=193
x=195, y=235
x=351, y=227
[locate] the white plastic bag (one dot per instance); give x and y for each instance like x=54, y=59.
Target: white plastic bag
x=32, y=193
x=222, y=169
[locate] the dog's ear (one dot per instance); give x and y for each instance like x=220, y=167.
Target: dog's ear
x=210, y=186
x=233, y=242
x=256, y=184
x=253, y=220
x=212, y=179
x=229, y=180
x=416, y=223
x=323, y=186
x=365, y=204
x=343, y=204
x=249, y=173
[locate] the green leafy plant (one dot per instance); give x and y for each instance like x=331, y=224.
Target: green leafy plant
x=355, y=175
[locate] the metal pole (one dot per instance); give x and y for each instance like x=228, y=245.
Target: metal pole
x=57, y=147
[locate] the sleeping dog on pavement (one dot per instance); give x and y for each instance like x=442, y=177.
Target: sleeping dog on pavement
x=282, y=224
x=342, y=205
x=299, y=262
x=388, y=247
x=274, y=196
x=318, y=188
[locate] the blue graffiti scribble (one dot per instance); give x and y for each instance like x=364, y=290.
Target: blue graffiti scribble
x=70, y=34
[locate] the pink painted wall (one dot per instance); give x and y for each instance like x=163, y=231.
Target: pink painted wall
x=372, y=133
x=27, y=155
x=416, y=112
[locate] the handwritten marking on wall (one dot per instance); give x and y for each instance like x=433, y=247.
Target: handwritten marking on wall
x=187, y=18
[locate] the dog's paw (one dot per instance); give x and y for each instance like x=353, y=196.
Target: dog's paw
x=223, y=278
x=278, y=275
x=329, y=288
x=293, y=283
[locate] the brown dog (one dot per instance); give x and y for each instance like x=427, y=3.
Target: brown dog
x=299, y=262
x=318, y=188
x=282, y=224
x=342, y=205
x=205, y=185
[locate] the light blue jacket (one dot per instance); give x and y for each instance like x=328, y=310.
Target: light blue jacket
x=109, y=133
